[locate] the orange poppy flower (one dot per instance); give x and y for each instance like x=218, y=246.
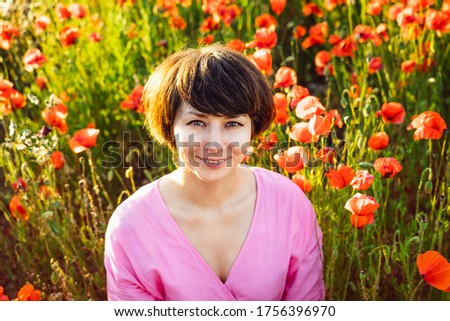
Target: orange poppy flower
x=2, y=296
x=434, y=269
x=344, y=48
x=311, y=8
x=133, y=101
x=208, y=39
x=68, y=36
x=264, y=38
x=296, y=94
x=56, y=117
x=292, y=159
x=326, y=154
x=378, y=141
x=262, y=58
x=28, y=293
x=83, y=139
x=388, y=167
x=331, y=4
x=178, y=22
x=41, y=23
x=95, y=37
x=408, y=66
x=302, y=182
x=313, y=40
x=277, y=6
x=298, y=32
x=380, y=34
x=10, y=99
x=394, y=10
x=341, y=177
x=392, y=113
x=41, y=82
x=61, y=12
x=266, y=20
x=281, y=116
x=77, y=11
x=319, y=125
x=285, y=77
x=268, y=142
x=16, y=208
x=7, y=34
x=428, y=125
x=406, y=17
x=236, y=44
x=437, y=21
x=336, y=117
x=280, y=101
x=374, y=8
x=362, y=180
x=362, y=33
x=308, y=107
x=300, y=133
x=362, y=208
x=33, y=59
x=228, y=13
x=57, y=159
x=322, y=60
x=375, y=65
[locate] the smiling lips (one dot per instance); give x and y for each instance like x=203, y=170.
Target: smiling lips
x=213, y=162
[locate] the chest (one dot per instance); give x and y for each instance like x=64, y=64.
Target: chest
x=218, y=237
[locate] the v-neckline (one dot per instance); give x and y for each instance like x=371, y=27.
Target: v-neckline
x=194, y=250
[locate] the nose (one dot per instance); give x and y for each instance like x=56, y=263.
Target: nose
x=215, y=140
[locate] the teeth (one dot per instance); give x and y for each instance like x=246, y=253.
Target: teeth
x=213, y=162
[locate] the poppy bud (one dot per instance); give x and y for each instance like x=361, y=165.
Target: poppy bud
x=428, y=187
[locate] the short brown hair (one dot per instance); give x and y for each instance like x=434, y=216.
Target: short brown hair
x=215, y=80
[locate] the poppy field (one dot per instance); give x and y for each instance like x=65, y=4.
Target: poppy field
x=363, y=108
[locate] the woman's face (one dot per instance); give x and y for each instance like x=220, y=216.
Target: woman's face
x=210, y=146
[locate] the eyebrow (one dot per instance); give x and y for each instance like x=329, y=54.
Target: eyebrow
x=202, y=115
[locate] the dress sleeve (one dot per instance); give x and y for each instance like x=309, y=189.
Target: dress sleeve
x=304, y=280
x=122, y=282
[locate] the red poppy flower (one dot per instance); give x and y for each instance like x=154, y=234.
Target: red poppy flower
x=326, y=154
x=375, y=65
x=264, y=38
x=319, y=125
x=268, y=142
x=313, y=40
x=322, y=58
x=228, y=13
x=277, y=6
x=16, y=208
x=362, y=33
x=296, y=94
x=280, y=101
x=437, y=21
x=388, y=167
x=300, y=133
x=266, y=20
x=177, y=22
x=57, y=159
x=406, y=17
x=61, y=12
x=302, y=182
x=298, y=32
x=68, y=36
x=41, y=23
x=281, y=117
x=362, y=180
x=28, y=293
x=41, y=82
x=77, y=11
x=428, y=125
x=7, y=33
x=56, y=117
x=331, y=4
x=394, y=10
x=392, y=113
x=311, y=8
x=285, y=77
x=134, y=100
x=208, y=39
x=308, y=107
x=83, y=139
x=33, y=59
x=408, y=66
x=344, y=48
x=2, y=296
x=374, y=8
x=95, y=37
x=20, y=185
x=292, y=159
x=262, y=58
x=341, y=177
x=362, y=208
x=434, y=269
x=209, y=24
x=378, y=141
x=10, y=99
x=236, y=44
x=336, y=117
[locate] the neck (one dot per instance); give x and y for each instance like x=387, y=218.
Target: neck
x=206, y=195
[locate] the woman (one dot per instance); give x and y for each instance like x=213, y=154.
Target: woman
x=213, y=229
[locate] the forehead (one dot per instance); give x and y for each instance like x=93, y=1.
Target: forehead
x=186, y=109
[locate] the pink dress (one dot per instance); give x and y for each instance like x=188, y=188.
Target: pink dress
x=148, y=257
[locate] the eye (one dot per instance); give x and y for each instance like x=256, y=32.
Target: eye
x=234, y=124
x=196, y=123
